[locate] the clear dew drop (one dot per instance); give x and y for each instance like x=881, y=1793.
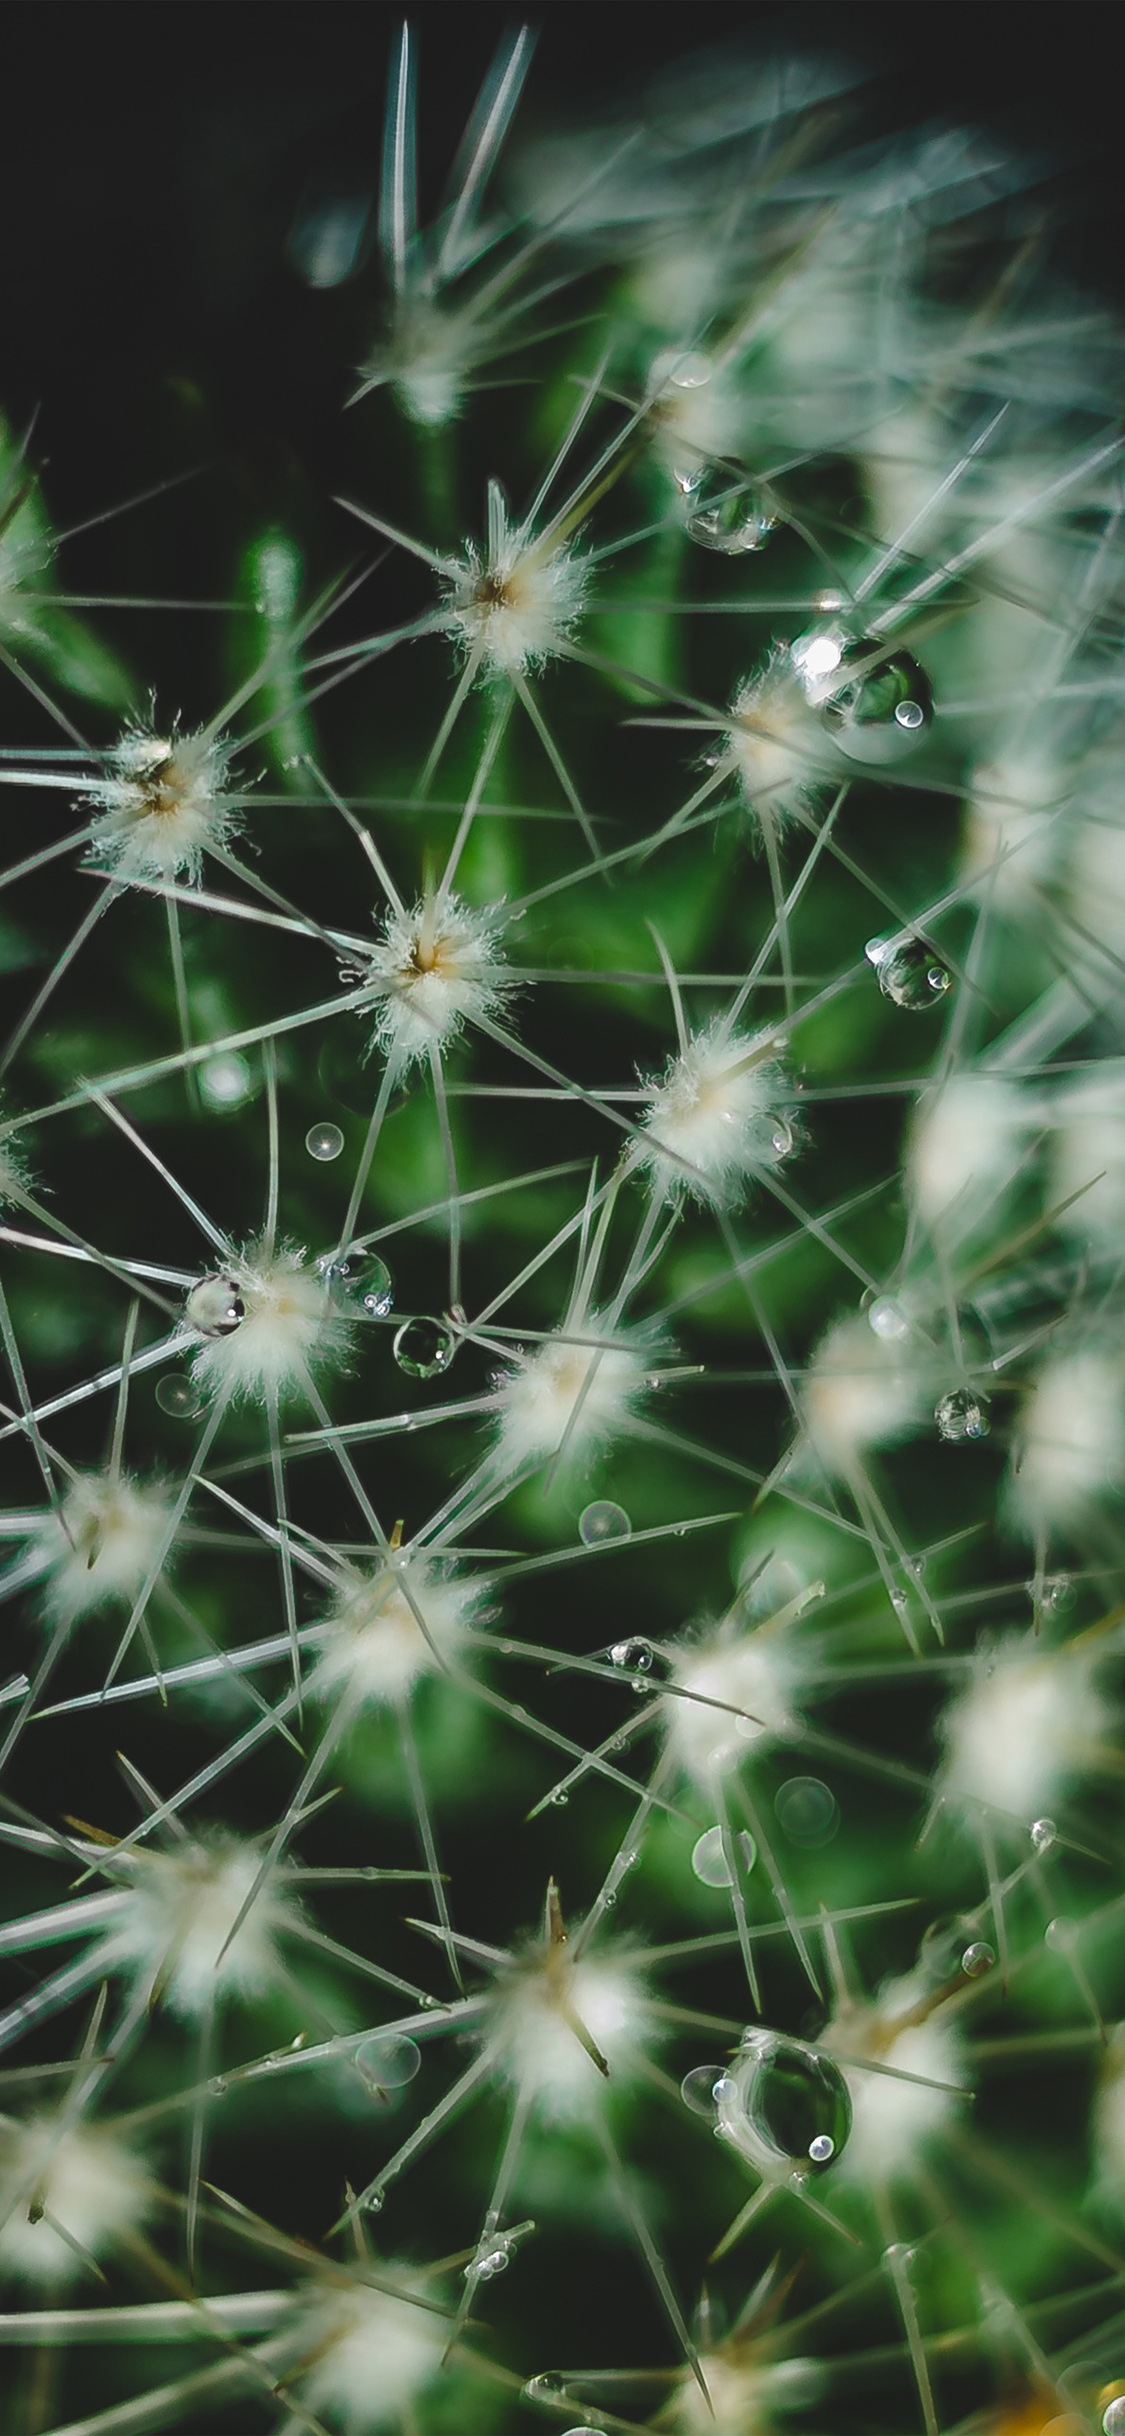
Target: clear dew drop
x=1059, y=1934
x=636, y=1657
x=875, y=704
x=603, y=1521
x=423, y=1348
x=488, y=2263
x=709, y=1861
x=962, y=1414
x=977, y=1959
x=807, y=1811
x=214, y=1307
x=1043, y=1834
x=545, y=2387
x=324, y=1141
x=1113, y=2416
x=387, y=2061
x=702, y=2088
x=1058, y=1593
x=359, y=1282
x=909, y=971
x=887, y=1319
x=797, y=2103
x=728, y=516
x=225, y=1082
x=179, y=1397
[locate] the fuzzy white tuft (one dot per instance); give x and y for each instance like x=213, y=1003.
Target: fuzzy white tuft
x=1027, y=1723
x=434, y=969
x=377, y=1650
x=1071, y=1446
x=365, y=2355
x=774, y=745
x=861, y=1390
x=513, y=605
x=1011, y=836
x=262, y=1324
x=756, y=1674
x=181, y=1907
x=715, y=1119
x=85, y=2185
x=746, y=2394
x=101, y=1544
x=963, y=1147
x=533, y=2043
x=162, y=805
x=1088, y=1155
x=893, y=2121
x=582, y=1390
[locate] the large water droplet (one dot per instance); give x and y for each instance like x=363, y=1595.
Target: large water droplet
x=225, y=1082
x=387, y=2061
x=796, y=2102
x=423, y=1348
x=807, y=1811
x=214, y=1307
x=324, y=1141
x=179, y=1397
x=1113, y=2416
x=603, y=1521
x=977, y=1959
x=909, y=970
x=636, y=1657
x=1043, y=1834
x=709, y=1860
x=962, y=1414
x=875, y=703
x=359, y=1282
x=729, y=515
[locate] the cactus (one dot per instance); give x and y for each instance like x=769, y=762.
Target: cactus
x=562, y=1159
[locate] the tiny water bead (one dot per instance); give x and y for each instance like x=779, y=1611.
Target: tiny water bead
x=977, y=1959
x=387, y=2061
x=704, y=2087
x=709, y=1861
x=1043, y=1834
x=962, y=1414
x=423, y=1348
x=214, y=1307
x=324, y=1142
x=807, y=1811
x=887, y=1319
x=1113, y=2417
x=727, y=515
x=179, y=1397
x=225, y=1082
x=909, y=971
x=635, y=1657
x=602, y=1522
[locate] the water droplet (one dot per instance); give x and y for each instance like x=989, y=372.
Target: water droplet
x=887, y=1319
x=179, y=1397
x=638, y=1656
x=793, y=2098
x=1058, y=1593
x=876, y=704
x=488, y=2263
x=610, y=1897
x=225, y=1082
x=1043, y=1833
x=423, y=1348
x=1113, y=2416
x=214, y=1307
x=709, y=1861
x=603, y=1521
x=687, y=368
x=728, y=515
x=822, y=2148
x=217, y=2088
x=909, y=970
x=962, y=1414
x=977, y=1959
x=387, y=2061
x=558, y=1798
x=359, y=1282
x=782, y=1137
x=700, y=2088
x=807, y=1811
x=541, y=2388
x=1059, y=1935
x=324, y=1141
